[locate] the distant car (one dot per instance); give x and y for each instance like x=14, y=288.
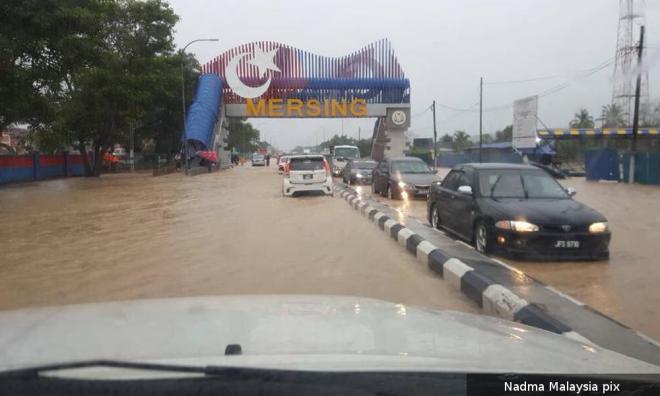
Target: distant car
x=281, y=163
x=402, y=177
x=306, y=172
x=358, y=171
x=258, y=159
x=517, y=209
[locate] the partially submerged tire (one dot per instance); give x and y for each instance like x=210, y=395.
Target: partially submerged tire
x=435, y=217
x=482, y=238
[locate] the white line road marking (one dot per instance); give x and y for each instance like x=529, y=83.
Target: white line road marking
x=465, y=244
x=649, y=339
x=438, y=231
x=566, y=296
x=502, y=263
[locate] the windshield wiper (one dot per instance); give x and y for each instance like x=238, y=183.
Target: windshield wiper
x=171, y=368
x=492, y=188
x=522, y=181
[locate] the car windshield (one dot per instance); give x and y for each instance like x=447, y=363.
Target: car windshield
x=410, y=167
x=347, y=152
x=450, y=162
x=519, y=184
x=364, y=165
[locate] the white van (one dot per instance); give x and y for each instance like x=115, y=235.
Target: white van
x=341, y=155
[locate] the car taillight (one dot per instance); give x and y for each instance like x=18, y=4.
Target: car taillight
x=287, y=167
x=326, y=166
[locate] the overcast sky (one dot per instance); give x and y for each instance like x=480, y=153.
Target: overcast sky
x=443, y=46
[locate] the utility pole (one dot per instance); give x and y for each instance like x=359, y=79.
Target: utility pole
x=481, y=107
x=633, y=149
x=435, y=139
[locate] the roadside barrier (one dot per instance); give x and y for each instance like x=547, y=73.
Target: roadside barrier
x=494, y=299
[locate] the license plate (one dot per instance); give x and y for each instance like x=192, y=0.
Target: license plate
x=563, y=244
x=306, y=177
x=425, y=191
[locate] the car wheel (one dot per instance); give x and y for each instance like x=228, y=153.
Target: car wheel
x=435, y=217
x=482, y=238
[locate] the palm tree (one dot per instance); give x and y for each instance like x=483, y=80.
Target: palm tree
x=613, y=116
x=582, y=120
x=461, y=140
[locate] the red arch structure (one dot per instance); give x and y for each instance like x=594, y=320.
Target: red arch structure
x=269, y=79
x=372, y=72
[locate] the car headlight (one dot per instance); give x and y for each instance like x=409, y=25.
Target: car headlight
x=359, y=175
x=516, y=225
x=599, y=227
x=402, y=184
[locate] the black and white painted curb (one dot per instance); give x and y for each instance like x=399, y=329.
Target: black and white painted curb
x=493, y=298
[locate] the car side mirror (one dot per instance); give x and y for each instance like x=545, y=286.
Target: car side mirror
x=571, y=191
x=467, y=190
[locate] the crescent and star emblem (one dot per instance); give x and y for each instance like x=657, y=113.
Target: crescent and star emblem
x=264, y=61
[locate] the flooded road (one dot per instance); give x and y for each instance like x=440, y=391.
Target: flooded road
x=627, y=287
x=135, y=236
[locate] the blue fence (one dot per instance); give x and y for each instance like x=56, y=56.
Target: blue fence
x=647, y=168
x=602, y=165
x=36, y=166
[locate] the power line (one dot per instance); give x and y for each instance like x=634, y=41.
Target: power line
x=549, y=91
x=421, y=112
x=551, y=77
x=525, y=80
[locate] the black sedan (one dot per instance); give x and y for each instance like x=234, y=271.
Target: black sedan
x=519, y=210
x=402, y=177
x=358, y=171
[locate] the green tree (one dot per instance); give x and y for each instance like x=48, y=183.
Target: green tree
x=163, y=122
x=487, y=138
x=42, y=42
x=461, y=140
x=612, y=116
x=504, y=135
x=101, y=67
x=243, y=137
x=582, y=119
x=446, y=141
x=650, y=115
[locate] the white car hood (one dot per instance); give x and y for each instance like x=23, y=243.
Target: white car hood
x=295, y=332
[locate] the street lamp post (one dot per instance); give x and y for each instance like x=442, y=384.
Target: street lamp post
x=183, y=99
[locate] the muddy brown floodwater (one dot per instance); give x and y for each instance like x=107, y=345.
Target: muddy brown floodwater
x=627, y=287
x=135, y=236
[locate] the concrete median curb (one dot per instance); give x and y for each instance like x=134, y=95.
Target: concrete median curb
x=494, y=299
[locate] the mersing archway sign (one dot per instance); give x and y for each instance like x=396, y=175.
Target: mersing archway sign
x=273, y=80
